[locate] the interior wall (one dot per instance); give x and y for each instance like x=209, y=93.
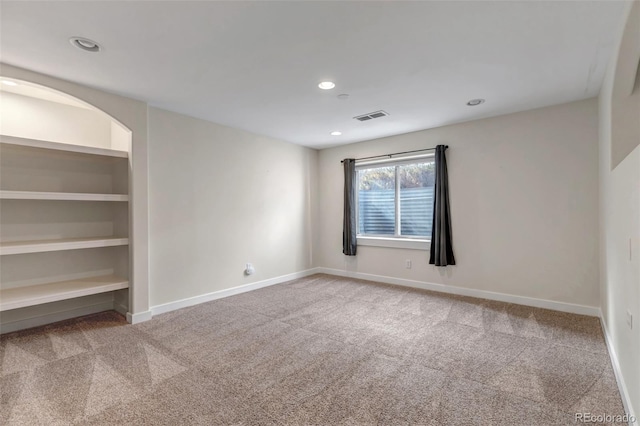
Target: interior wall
x=55, y=122
x=620, y=220
x=524, y=201
x=220, y=198
x=625, y=91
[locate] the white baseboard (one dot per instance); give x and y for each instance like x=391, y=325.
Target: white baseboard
x=196, y=300
x=622, y=387
x=139, y=317
x=55, y=317
x=482, y=294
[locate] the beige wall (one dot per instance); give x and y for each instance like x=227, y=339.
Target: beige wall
x=625, y=91
x=524, y=200
x=620, y=221
x=219, y=198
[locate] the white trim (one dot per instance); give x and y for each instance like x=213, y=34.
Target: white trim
x=196, y=300
x=41, y=246
x=622, y=387
x=61, y=196
x=396, y=203
x=394, y=161
x=404, y=243
x=482, y=294
x=139, y=317
x=55, y=317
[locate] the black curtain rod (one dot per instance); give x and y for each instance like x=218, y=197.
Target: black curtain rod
x=396, y=153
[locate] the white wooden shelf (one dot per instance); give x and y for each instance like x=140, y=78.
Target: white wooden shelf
x=57, y=146
x=14, y=298
x=62, y=196
x=40, y=246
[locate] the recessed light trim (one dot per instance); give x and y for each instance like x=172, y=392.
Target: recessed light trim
x=475, y=102
x=326, y=85
x=336, y=133
x=85, y=44
x=9, y=83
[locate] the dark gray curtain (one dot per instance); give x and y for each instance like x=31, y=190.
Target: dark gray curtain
x=441, y=245
x=349, y=244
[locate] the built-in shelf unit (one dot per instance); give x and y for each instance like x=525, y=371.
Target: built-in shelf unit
x=64, y=212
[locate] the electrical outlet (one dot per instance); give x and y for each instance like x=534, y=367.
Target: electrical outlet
x=630, y=319
x=249, y=270
x=407, y=263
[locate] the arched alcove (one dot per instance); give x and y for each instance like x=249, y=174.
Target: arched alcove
x=64, y=207
x=33, y=111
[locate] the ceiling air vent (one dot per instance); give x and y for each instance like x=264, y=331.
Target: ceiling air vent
x=371, y=115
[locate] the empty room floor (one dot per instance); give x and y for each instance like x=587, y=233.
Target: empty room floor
x=319, y=350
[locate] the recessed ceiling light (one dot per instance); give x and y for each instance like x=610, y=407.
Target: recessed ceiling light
x=326, y=85
x=85, y=44
x=336, y=133
x=9, y=83
x=475, y=102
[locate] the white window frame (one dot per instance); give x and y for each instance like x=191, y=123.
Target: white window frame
x=395, y=241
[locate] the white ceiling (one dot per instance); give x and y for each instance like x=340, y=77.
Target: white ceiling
x=256, y=65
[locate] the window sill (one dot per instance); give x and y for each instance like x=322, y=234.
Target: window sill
x=403, y=243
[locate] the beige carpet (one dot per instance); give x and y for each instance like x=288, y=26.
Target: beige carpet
x=320, y=350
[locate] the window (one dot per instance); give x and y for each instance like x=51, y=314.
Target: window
x=395, y=199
